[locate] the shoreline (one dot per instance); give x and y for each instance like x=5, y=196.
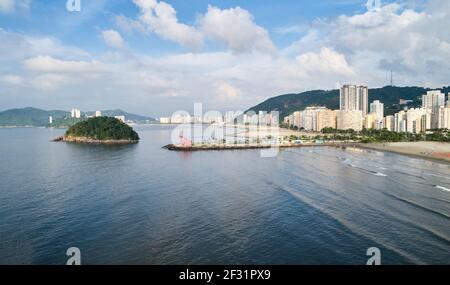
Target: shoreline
x=435, y=151
x=85, y=140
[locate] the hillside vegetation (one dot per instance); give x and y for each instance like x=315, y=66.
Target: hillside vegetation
x=103, y=128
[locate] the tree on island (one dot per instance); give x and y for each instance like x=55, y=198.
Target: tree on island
x=103, y=128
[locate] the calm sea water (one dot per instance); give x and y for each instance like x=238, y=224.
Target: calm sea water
x=141, y=204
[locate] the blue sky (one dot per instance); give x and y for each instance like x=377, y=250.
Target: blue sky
x=156, y=57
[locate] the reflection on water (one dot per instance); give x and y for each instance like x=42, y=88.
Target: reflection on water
x=144, y=204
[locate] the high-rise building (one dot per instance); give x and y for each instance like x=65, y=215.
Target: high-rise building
x=354, y=98
x=417, y=120
x=369, y=121
x=98, y=113
x=349, y=119
x=433, y=100
x=50, y=120
x=309, y=118
x=297, y=119
x=400, y=122
x=444, y=118
x=326, y=119
x=76, y=113
x=389, y=122
x=377, y=108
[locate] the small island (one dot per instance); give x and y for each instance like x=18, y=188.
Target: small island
x=100, y=130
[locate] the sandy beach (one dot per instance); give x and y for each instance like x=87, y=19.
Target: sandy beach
x=431, y=150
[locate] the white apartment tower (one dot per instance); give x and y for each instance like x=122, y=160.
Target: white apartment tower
x=354, y=98
x=347, y=119
x=76, y=113
x=389, y=123
x=444, y=117
x=433, y=100
x=377, y=108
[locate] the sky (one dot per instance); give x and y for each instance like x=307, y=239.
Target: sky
x=156, y=57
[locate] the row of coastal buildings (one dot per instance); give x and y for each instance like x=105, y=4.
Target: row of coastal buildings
x=356, y=113
x=76, y=114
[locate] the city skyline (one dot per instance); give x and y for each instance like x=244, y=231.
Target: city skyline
x=433, y=114
x=125, y=54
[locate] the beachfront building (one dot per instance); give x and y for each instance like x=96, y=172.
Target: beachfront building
x=326, y=119
x=164, y=120
x=444, y=117
x=400, y=122
x=297, y=119
x=433, y=100
x=75, y=113
x=389, y=122
x=418, y=120
x=354, y=98
x=309, y=118
x=377, y=109
x=369, y=121
x=349, y=119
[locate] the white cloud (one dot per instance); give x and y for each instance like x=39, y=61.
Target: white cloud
x=16, y=46
x=236, y=29
x=11, y=79
x=50, y=82
x=50, y=64
x=10, y=6
x=161, y=18
x=128, y=25
x=226, y=91
x=113, y=39
x=411, y=42
x=326, y=62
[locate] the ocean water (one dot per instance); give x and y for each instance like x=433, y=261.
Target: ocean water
x=141, y=204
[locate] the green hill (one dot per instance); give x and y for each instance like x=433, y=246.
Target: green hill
x=102, y=128
x=389, y=95
x=40, y=118
x=29, y=117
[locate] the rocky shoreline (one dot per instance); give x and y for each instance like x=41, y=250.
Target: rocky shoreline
x=86, y=140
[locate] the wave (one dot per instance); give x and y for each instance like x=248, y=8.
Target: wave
x=379, y=174
x=351, y=227
x=442, y=188
x=418, y=205
x=435, y=175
